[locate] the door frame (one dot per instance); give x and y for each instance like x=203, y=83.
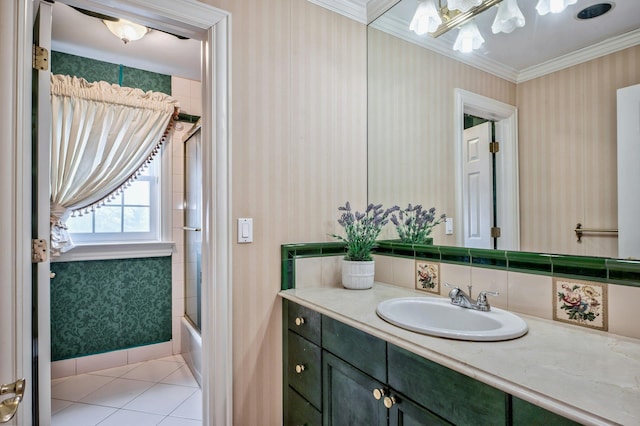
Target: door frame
x=505, y=117
x=213, y=27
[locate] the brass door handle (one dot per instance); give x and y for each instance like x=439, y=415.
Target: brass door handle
x=9, y=406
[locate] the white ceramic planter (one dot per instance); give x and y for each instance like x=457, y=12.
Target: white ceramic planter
x=358, y=275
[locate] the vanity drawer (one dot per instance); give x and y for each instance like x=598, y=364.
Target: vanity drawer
x=304, y=368
x=356, y=347
x=304, y=322
x=452, y=395
x=300, y=411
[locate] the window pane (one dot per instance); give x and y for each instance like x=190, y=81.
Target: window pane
x=137, y=219
x=137, y=193
x=108, y=219
x=80, y=224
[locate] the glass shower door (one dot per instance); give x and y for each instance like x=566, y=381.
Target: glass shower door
x=192, y=228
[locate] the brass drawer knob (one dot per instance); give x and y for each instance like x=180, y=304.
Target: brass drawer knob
x=378, y=394
x=299, y=368
x=299, y=321
x=389, y=401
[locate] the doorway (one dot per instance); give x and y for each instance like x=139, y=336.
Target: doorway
x=212, y=27
x=505, y=118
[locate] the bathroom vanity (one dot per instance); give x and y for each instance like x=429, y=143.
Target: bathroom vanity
x=345, y=365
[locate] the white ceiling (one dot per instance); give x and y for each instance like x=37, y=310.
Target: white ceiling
x=78, y=34
x=545, y=44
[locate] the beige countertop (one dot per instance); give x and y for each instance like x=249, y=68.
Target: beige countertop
x=589, y=376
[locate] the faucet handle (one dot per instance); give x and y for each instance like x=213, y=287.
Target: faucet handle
x=482, y=299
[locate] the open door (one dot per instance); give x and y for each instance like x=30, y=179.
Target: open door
x=41, y=160
x=477, y=187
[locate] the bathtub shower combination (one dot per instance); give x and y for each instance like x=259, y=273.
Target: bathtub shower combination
x=192, y=320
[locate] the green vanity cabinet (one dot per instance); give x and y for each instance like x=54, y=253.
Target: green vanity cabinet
x=454, y=396
x=337, y=375
x=527, y=414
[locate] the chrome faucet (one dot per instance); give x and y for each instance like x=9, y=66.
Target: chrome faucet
x=460, y=298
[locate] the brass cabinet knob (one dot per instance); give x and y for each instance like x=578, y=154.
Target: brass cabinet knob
x=299, y=368
x=378, y=394
x=389, y=401
x=299, y=321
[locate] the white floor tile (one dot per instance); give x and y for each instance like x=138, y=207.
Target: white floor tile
x=191, y=408
x=152, y=371
x=77, y=387
x=176, y=421
x=174, y=358
x=161, y=399
x=182, y=377
x=81, y=415
x=131, y=418
x=59, y=405
x=117, y=393
x=116, y=371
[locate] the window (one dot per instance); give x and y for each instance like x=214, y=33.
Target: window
x=134, y=215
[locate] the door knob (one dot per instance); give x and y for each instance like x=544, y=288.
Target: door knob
x=299, y=368
x=9, y=406
x=378, y=394
x=299, y=321
x=389, y=401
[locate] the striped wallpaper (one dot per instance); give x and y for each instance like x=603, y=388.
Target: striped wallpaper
x=567, y=148
x=299, y=150
x=411, y=103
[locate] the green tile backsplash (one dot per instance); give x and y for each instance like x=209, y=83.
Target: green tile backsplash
x=617, y=271
x=105, y=305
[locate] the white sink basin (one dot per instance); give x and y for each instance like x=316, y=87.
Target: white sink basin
x=438, y=317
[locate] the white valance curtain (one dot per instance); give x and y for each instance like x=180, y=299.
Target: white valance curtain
x=102, y=137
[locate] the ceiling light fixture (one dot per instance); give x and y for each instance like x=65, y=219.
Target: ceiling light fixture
x=126, y=30
x=449, y=14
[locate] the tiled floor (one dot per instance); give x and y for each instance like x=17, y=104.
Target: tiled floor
x=158, y=392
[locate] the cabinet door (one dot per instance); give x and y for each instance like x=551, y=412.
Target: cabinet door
x=527, y=414
x=406, y=413
x=298, y=411
x=348, y=395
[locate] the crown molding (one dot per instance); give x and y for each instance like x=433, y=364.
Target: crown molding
x=354, y=9
x=589, y=53
x=375, y=8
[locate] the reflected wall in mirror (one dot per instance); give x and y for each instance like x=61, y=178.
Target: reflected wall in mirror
x=566, y=140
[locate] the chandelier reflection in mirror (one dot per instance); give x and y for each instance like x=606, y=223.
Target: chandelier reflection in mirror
x=436, y=17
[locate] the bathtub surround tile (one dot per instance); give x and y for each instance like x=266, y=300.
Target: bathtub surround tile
x=427, y=276
x=623, y=318
x=530, y=294
x=582, y=303
x=490, y=280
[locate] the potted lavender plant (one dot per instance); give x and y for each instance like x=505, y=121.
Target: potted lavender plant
x=362, y=229
x=414, y=224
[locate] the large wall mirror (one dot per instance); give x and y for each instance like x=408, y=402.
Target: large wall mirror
x=566, y=140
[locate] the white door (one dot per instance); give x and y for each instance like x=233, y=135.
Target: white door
x=477, y=186
x=628, y=172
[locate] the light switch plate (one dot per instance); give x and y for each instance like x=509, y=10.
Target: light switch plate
x=245, y=230
x=448, y=226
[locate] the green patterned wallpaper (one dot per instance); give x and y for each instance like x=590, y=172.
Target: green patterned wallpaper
x=104, y=305
x=94, y=70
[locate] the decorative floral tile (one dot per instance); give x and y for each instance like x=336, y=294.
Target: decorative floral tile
x=428, y=276
x=581, y=303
